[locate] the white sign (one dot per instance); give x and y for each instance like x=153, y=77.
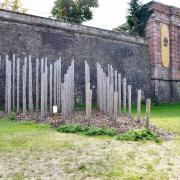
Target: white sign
x=54, y=109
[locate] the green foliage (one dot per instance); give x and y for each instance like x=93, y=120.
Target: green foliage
x=138, y=134
x=73, y=128
x=82, y=167
x=132, y=135
x=94, y=131
x=87, y=130
x=136, y=20
x=12, y=116
x=13, y=5
x=138, y=15
x=124, y=28
x=76, y=11
x=82, y=107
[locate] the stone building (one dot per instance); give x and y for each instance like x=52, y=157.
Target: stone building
x=163, y=36
x=152, y=64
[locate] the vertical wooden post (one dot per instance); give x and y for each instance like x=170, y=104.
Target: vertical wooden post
x=73, y=103
x=37, y=84
x=50, y=88
x=129, y=99
x=65, y=94
x=115, y=81
x=9, y=87
x=139, y=104
x=87, y=101
x=13, y=81
x=24, y=85
x=6, y=84
x=111, y=100
x=108, y=95
x=55, y=83
x=63, y=101
x=124, y=94
x=42, y=87
x=104, y=98
x=59, y=84
x=119, y=92
x=148, y=111
x=87, y=86
x=90, y=102
x=46, y=87
x=42, y=95
x=115, y=105
x=97, y=84
x=17, y=81
x=30, y=86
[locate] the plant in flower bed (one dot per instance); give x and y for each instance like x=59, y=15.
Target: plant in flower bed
x=87, y=130
x=138, y=134
x=132, y=135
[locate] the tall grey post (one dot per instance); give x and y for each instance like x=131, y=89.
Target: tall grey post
x=148, y=111
x=88, y=91
x=37, y=84
x=30, y=86
x=8, y=86
x=119, y=93
x=124, y=94
x=139, y=104
x=13, y=81
x=17, y=81
x=24, y=85
x=50, y=88
x=129, y=99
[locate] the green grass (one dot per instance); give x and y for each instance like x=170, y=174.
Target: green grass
x=165, y=116
x=27, y=135
x=35, y=151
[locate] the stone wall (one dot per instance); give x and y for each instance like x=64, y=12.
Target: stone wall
x=26, y=34
x=165, y=80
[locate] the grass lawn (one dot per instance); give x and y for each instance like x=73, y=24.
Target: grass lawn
x=34, y=151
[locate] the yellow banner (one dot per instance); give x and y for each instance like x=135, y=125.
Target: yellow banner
x=165, y=56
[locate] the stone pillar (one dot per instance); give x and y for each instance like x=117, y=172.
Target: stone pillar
x=163, y=36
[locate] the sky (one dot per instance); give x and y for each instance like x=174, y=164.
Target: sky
x=109, y=14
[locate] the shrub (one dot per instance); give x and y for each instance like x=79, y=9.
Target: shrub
x=94, y=131
x=131, y=135
x=87, y=130
x=72, y=128
x=12, y=116
x=138, y=134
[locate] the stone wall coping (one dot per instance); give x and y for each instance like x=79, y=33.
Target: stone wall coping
x=170, y=10
x=48, y=22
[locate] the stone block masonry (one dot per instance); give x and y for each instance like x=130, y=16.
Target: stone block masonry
x=22, y=35
x=165, y=80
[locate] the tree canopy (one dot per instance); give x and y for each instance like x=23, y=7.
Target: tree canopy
x=13, y=5
x=136, y=20
x=76, y=11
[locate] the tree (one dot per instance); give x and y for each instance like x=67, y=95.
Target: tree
x=138, y=15
x=76, y=11
x=13, y=5
x=136, y=20
x=124, y=28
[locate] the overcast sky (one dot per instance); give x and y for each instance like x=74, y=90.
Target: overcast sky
x=108, y=15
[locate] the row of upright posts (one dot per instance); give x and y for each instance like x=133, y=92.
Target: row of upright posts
x=46, y=90
x=38, y=94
